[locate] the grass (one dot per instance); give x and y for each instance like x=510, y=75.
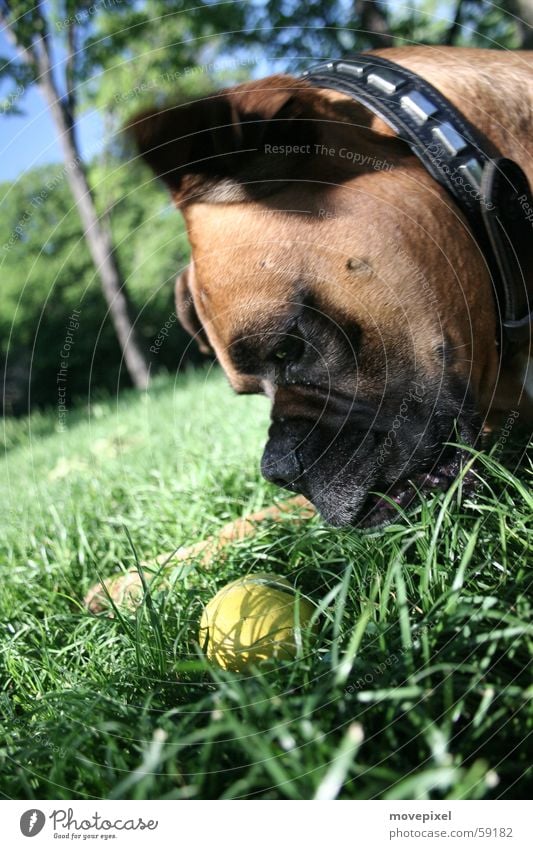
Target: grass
x=417, y=684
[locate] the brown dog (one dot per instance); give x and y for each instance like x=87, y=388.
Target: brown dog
x=332, y=273
x=340, y=279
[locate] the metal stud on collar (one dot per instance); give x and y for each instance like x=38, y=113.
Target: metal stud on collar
x=418, y=113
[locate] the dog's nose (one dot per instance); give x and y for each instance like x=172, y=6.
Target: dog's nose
x=282, y=468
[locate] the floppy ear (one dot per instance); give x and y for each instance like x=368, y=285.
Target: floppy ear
x=186, y=311
x=233, y=145
x=208, y=148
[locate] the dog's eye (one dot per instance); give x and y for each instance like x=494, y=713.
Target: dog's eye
x=289, y=350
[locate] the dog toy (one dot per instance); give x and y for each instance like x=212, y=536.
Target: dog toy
x=253, y=619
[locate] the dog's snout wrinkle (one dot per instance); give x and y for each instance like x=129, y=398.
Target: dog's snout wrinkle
x=316, y=405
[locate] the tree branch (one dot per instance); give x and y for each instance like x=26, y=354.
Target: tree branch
x=70, y=68
x=454, y=29
x=42, y=48
x=522, y=11
x=26, y=53
x=374, y=21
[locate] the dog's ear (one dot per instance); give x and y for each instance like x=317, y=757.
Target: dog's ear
x=186, y=311
x=235, y=144
x=206, y=149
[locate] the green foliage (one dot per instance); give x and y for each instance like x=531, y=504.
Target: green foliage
x=46, y=273
x=27, y=17
x=129, y=55
x=295, y=31
x=416, y=685
x=159, y=50
x=480, y=24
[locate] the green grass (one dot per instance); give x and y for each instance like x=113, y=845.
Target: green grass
x=416, y=685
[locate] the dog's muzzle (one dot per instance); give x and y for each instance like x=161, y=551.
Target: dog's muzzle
x=345, y=472
x=330, y=468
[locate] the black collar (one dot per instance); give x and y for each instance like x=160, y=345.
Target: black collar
x=492, y=192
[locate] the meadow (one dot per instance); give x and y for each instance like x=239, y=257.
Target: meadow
x=416, y=683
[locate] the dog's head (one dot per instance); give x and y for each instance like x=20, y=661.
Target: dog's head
x=330, y=273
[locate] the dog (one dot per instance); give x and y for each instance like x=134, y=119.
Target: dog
x=331, y=272
x=345, y=288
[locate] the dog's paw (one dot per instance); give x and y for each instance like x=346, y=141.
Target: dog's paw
x=124, y=590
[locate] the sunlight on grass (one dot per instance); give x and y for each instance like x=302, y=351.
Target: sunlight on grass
x=416, y=684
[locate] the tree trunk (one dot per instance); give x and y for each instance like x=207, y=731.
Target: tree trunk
x=99, y=241
x=373, y=21
x=523, y=9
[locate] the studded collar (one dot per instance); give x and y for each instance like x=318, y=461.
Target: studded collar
x=492, y=191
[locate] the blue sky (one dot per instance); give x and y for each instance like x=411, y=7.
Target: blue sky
x=30, y=139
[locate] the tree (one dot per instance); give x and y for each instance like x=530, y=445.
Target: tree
x=31, y=29
x=523, y=12
x=47, y=274
x=374, y=22
x=324, y=29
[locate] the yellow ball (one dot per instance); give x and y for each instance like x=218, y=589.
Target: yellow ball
x=251, y=620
